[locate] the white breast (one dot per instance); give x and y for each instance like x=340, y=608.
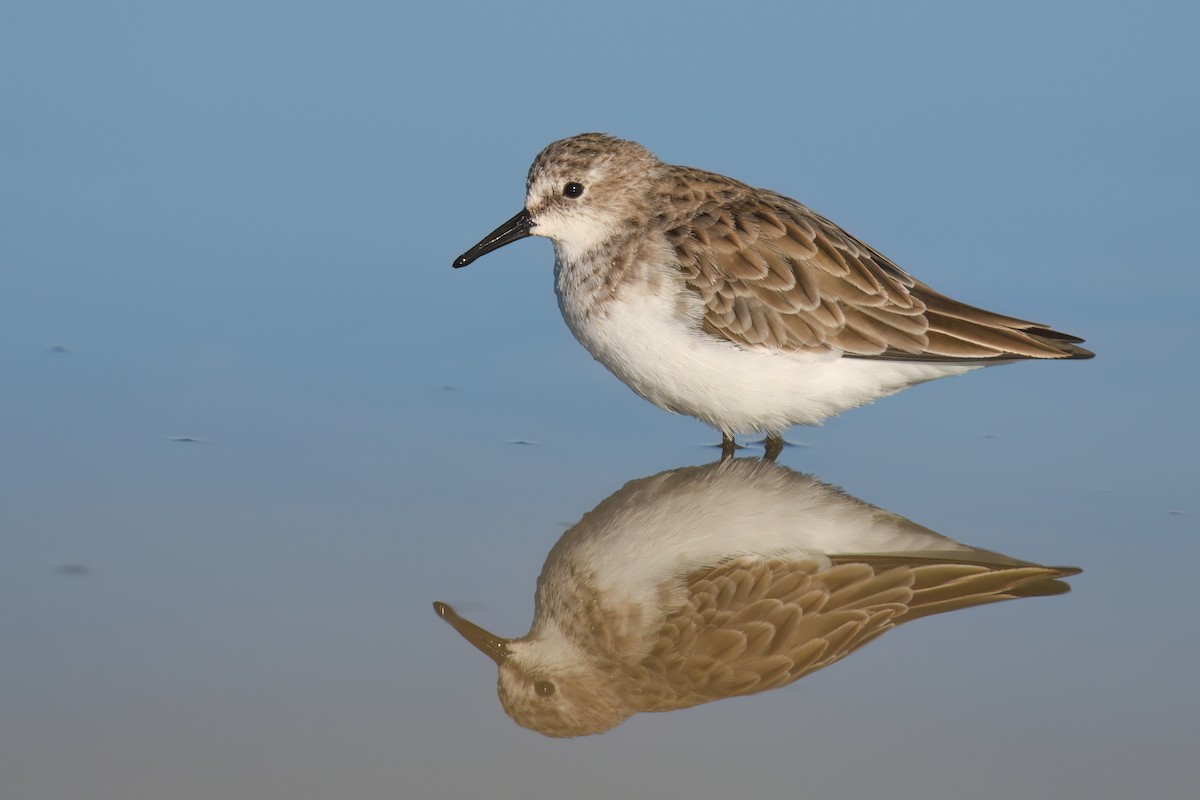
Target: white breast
x=648, y=334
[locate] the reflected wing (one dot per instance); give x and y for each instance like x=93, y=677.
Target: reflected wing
x=774, y=273
x=941, y=584
x=752, y=624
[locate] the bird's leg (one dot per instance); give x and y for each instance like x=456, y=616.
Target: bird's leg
x=728, y=446
x=774, y=446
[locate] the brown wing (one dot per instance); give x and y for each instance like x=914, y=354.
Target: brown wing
x=774, y=273
x=940, y=585
x=755, y=624
x=752, y=625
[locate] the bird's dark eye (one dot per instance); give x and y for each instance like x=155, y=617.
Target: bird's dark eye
x=544, y=688
x=573, y=189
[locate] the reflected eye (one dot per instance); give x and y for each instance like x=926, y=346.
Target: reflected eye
x=573, y=190
x=544, y=688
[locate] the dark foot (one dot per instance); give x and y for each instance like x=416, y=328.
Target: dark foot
x=774, y=446
x=728, y=446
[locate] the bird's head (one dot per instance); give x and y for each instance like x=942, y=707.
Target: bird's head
x=546, y=684
x=581, y=193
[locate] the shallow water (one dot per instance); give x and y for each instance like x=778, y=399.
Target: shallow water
x=255, y=425
x=254, y=616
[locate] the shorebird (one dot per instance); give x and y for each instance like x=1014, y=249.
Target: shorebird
x=739, y=306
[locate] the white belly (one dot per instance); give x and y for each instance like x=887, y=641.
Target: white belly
x=647, y=341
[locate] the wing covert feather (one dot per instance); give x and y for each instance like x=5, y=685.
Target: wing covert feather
x=756, y=623
x=774, y=274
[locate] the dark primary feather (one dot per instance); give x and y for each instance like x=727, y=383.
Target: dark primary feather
x=773, y=273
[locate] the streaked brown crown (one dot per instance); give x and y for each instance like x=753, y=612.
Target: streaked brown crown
x=577, y=155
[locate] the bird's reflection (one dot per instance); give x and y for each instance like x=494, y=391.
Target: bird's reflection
x=729, y=579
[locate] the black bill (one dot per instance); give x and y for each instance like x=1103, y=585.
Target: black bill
x=516, y=228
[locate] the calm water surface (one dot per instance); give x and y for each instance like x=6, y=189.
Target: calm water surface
x=251, y=615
